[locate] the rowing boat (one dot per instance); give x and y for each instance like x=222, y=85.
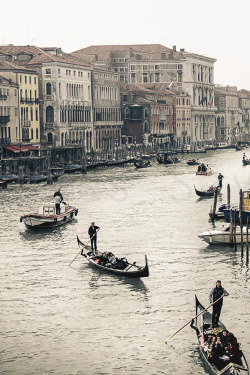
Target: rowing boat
x=204, y=328
x=209, y=192
x=123, y=268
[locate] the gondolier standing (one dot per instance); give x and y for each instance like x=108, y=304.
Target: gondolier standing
x=220, y=178
x=215, y=294
x=93, y=229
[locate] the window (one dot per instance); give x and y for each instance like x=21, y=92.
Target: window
x=157, y=77
x=74, y=72
x=179, y=66
x=25, y=79
x=121, y=78
x=36, y=114
x=37, y=134
x=132, y=67
x=157, y=67
x=132, y=77
x=144, y=67
x=30, y=79
x=59, y=71
x=144, y=78
x=48, y=88
x=47, y=71
x=20, y=79
x=67, y=72
x=32, y=133
x=35, y=80
x=31, y=114
x=8, y=92
x=49, y=114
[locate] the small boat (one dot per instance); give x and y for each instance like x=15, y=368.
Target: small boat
x=203, y=329
x=46, y=216
x=57, y=170
x=114, y=162
x=142, y=164
x=209, y=192
x=34, y=178
x=167, y=159
x=238, y=148
x=9, y=178
x=204, y=171
x=245, y=161
x=96, y=165
x=123, y=268
x=72, y=168
x=223, y=236
x=200, y=151
x=193, y=162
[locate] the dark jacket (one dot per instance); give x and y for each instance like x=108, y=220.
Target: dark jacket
x=93, y=230
x=216, y=293
x=58, y=194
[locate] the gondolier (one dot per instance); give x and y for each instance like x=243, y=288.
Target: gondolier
x=214, y=295
x=93, y=229
x=220, y=178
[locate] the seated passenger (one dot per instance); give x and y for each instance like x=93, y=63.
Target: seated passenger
x=103, y=259
x=218, y=351
x=233, y=349
x=199, y=168
x=111, y=260
x=208, y=346
x=224, y=333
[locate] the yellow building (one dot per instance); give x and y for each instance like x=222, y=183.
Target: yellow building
x=27, y=80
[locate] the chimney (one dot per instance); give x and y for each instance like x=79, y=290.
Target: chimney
x=174, y=48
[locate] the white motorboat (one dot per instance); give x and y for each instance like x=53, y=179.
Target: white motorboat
x=222, y=237
x=46, y=217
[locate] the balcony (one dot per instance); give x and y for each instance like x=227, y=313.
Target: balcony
x=3, y=97
x=5, y=141
x=49, y=126
x=25, y=123
x=4, y=119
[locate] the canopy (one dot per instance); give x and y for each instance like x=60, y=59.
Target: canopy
x=21, y=148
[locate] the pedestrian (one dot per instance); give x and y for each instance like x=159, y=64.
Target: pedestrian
x=93, y=229
x=214, y=295
x=58, y=194
x=220, y=178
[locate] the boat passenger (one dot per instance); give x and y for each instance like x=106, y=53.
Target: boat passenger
x=233, y=349
x=200, y=168
x=218, y=351
x=103, y=259
x=224, y=339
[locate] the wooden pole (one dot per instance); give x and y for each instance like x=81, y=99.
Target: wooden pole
x=215, y=203
x=235, y=243
x=211, y=304
x=231, y=228
x=241, y=225
x=228, y=196
x=247, y=247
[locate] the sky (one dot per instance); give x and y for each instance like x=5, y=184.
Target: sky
x=215, y=28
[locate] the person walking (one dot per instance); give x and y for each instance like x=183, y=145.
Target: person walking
x=93, y=229
x=214, y=295
x=220, y=178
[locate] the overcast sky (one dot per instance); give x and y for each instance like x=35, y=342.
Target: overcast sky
x=215, y=28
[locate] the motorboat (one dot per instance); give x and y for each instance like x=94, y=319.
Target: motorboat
x=224, y=236
x=46, y=217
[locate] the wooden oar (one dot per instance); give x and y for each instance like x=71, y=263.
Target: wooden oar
x=193, y=318
x=83, y=247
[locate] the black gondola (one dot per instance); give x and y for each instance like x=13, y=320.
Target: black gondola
x=193, y=162
x=246, y=161
x=204, y=328
x=167, y=160
x=142, y=164
x=123, y=267
x=209, y=192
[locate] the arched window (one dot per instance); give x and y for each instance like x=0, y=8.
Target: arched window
x=49, y=114
x=36, y=114
x=146, y=127
x=37, y=134
x=32, y=133
x=62, y=139
x=127, y=113
x=31, y=114
x=48, y=88
x=146, y=112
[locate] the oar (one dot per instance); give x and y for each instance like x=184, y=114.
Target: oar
x=82, y=248
x=193, y=318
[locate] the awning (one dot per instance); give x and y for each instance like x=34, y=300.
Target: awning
x=19, y=148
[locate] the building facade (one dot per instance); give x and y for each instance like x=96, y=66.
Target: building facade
x=9, y=112
x=106, y=110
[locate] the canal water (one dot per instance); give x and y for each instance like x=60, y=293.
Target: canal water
x=63, y=320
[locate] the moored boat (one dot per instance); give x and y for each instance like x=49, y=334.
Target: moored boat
x=224, y=365
x=121, y=268
x=72, y=168
x=224, y=236
x=3, y=184
x=193, y=162
x=208, y=192
x=34, y=178
x=9, y=178
x=142, y=164
x=46, y=217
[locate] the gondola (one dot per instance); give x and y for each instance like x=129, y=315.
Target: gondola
x=124, y=268
x=193, y=162
x=168, y=160
x=96, y=165
x=142, y=164
x=203, y=328
x=209, y=192
x=72, y=168
x=246, y=161
x=34, y=178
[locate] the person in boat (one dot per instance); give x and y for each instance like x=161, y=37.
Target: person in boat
x=103, y=260
x=199, y=168
x=220, y=178
x=214, y=295
x=233, y=349
x=112, y=262
x=93, y=229
x=224, y=338
x=58, y=194
x=218, y=353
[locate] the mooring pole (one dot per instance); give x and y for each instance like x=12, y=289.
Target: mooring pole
x=241, y=225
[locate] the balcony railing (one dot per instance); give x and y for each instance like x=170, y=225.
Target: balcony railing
x=25, y=123
x=5, y=141
x=49, y=125
x=29, y=100
x=3, y=97
x=4, y=119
